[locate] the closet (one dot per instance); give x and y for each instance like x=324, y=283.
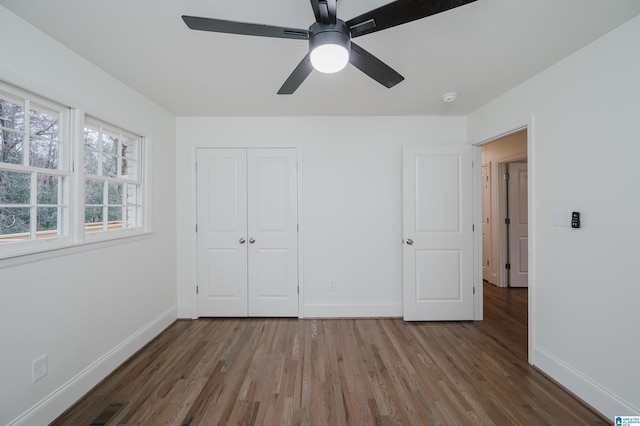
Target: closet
x=247, y=232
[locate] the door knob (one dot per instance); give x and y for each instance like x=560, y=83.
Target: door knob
x=410, y=241
x=242, y=240
x=251, y=240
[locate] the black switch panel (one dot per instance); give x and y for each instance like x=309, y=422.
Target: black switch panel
x=575, y=219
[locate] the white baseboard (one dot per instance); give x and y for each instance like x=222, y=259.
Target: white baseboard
x=66, y=395
x=352, y=310
x=186, y=312
x=591, y=392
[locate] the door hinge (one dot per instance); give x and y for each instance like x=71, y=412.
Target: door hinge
x=196, y=166
x=298, y=228
x=506, y=176
x=197, y=290
x=196, y=227
x=508, y=266
x=473, y=228
x=298, y=289
x=474, y=290
x=507, y=221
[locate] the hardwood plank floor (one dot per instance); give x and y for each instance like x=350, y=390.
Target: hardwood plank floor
x=336, y=372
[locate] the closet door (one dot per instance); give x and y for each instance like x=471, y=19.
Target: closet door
x=247, y=232
x=222, y=232
x=273, y=234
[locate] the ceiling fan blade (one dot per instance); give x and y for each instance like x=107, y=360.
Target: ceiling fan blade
x=373, y=67
x=299, y=74
x=244, y=28
x=315, y=5
x=399, y=12
x=325, y=11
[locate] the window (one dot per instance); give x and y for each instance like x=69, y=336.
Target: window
x=113, y=179
x=34, y=169
x=45, y=202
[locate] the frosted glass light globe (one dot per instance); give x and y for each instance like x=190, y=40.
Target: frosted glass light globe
x=329, y=58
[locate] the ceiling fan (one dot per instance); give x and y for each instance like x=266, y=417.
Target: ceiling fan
x=330, y=45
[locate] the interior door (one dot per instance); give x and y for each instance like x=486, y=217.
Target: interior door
x=438, y=234
x=222, y=232
x=517, y=206
x=247, y=232
x=272, y=233
x=486, y=225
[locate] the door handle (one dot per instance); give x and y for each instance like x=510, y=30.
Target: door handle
x=242, y=240
x=410, y=241
x=251, y=240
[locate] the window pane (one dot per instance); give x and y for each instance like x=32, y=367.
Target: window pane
x=132, y=213
x=91, y=137
x=93, y=219
x=15, y=222
x=11, y=147
x=110, y=144
x=93, y=192
x=11, y=115
x=109, y=166
x=129, y=147
x=133, y=194
x=90, y=161
x=44, y=123
x=48, y=189
x=47, y=225
x=115, y=217
x=129, y=169
x=43, y=154
x=15, y=187
x=115, y=193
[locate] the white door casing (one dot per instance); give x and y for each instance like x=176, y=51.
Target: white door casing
x=249, y=266
x=438, y=233
x=517, y=207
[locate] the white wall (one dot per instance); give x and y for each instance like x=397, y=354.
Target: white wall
x=583, y=156
x=88, y=310
x=349, y=206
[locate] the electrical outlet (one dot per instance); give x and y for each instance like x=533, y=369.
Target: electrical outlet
x=332, y=285
x=39, y=368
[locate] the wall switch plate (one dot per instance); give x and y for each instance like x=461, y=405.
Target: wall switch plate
x=562, y=218
x=39, y=368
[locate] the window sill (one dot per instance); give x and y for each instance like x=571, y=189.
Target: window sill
x=68, y=248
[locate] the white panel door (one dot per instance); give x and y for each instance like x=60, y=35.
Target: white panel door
x=247, y=232
x=273, y=234
x=517, y=206
x=438, y=235
x=222, y=232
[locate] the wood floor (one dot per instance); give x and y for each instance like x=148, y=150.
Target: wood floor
x=336, y=372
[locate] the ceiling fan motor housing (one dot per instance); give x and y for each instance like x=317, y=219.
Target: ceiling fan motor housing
x=337, y=33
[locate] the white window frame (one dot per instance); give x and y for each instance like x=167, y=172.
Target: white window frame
x=64, y=171
x=71, y=192
x=139, y=181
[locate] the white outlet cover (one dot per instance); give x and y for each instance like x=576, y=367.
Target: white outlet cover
x=39, y=368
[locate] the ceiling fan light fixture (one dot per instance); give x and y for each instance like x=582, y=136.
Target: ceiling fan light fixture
x=329, y=58
x=329, y=46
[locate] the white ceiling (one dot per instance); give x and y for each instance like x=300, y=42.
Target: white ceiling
x=480, y=51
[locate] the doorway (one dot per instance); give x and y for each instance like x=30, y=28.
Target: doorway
x=505, y=210
x=505, y=206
